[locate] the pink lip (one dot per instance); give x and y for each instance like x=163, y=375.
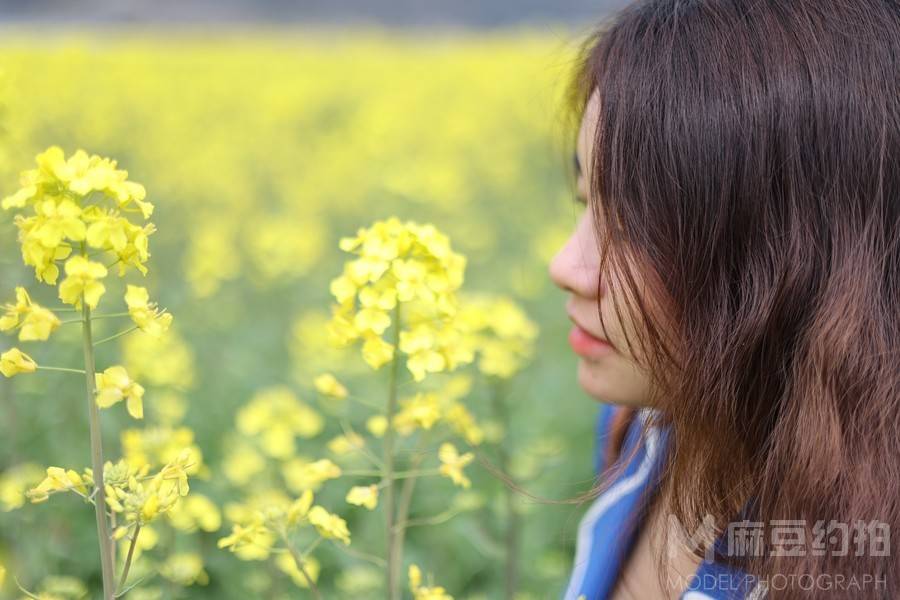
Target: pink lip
x=586, y=345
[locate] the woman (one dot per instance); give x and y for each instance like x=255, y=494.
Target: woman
x=734, y=282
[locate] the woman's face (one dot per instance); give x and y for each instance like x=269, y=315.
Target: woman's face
x=606, y=371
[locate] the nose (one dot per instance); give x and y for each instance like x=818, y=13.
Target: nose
x=576, y=267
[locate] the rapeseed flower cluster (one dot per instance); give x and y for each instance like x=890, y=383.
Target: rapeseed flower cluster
x=79, y=202
x=401, y=263
x=421, y=592
x=501, y=332
x=268, y=523
x=133, y=493
x=184, y=569
x=424, y=410
x=277, y=417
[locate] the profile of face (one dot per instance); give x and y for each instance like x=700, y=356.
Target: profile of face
x=606, y=370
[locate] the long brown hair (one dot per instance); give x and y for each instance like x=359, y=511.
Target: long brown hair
x=747, y=163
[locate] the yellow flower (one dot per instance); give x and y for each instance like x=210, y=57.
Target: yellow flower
x=106, y=230
x=376, y=351
x=36, y=322
x=462, y=421
x=404, y=263
x=155, y=446
x=57, y=480
x=346, y=443
x=327, y=385
x=59, y=191
x=277, y=417
x=142, y=500
x=285, y=562
x=19, y=199
x=419, y=344
x=114, y=385
x=242, y=462
x=311, y=349
x=250, y=542
x=377, y=425
x=302, y=475
x=271, y=508
x=421, y=592
x=15, y=481
x=343, y=288
x=185, y=569
x=136, y=251
x=177, y=471
x=145, y=314
x=363, y=495
x=169, y=407
x=35, y=254
x=299, y=509
x=57, y=219
x=14, y=361
x=80, y=175
x=82, y=279
x=420, y=411
x=195, y=512
x=500, y=330
x=452, y=464
x=60, y=587
x=435, y=346
x=328, y=525
x=165, y=361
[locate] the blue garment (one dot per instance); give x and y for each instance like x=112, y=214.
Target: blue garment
x=610, y=527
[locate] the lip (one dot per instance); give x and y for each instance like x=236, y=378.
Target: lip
x=586, y=344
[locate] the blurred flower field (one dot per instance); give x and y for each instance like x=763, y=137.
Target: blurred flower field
x=345, y=301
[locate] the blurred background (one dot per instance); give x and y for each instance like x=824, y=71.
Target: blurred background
x=344, y=13
x=264, y=131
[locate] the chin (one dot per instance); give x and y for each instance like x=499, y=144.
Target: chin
x=603, y=382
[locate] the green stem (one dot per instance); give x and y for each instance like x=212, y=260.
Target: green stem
x=393, y=573
x=110, y=315
x=299, y=562
x=115, y=336
x=311, y=547
x=96, y=317
x=60, y=369
x=106, y=563
x=128, y=557
x=396, y=474
x=512, y=525
x=375, y=560
x=348, y=432
x=437, y=519
x=362, y=402
x=406, y=493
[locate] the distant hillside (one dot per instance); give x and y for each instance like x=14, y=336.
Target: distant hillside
x=467, y=13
